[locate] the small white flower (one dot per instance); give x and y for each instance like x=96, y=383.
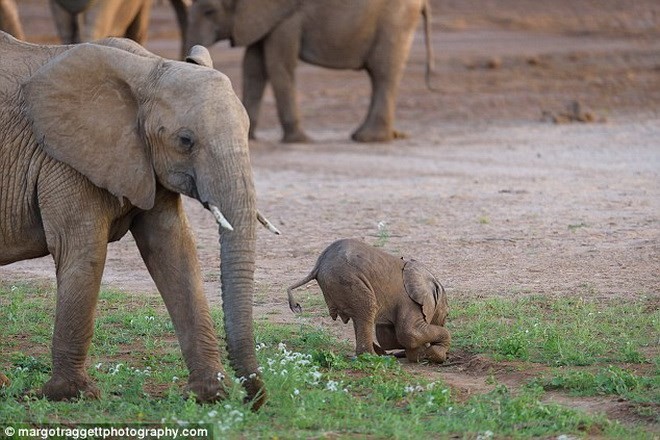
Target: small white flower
x=212, y=413
x=252, y=376
x=332, y=385
x=174, y=378
x=236, y=415
x=485, y=436
x=296, y=392
x=220, y=377
x=98, y=366
x=281, y=346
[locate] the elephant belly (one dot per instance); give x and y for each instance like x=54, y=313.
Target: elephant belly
x=340, y=40
x=31, y=245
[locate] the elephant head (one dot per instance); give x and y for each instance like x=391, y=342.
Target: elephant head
x=423, y=288
x=117, y=112
x=432, y=352
x=242, y=21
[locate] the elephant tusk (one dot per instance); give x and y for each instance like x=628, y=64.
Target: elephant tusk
x=222, y=221
x=268, y=225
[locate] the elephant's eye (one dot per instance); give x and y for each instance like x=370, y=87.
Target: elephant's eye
x=186, y=140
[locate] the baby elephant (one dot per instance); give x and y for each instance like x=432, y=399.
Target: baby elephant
x=399, y=299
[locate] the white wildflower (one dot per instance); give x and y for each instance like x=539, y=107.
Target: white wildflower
x=332, y=385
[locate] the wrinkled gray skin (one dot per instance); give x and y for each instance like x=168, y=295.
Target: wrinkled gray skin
x=88, y=20
x=374, y=35
x=9, y=20
x=100, y=139
x=399, y=300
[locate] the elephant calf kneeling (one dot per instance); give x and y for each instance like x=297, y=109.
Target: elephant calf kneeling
x=398, y=300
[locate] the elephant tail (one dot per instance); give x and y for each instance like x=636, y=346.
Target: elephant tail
x=293, y=304
x=430, y=59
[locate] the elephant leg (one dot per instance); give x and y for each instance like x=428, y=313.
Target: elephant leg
x=167, y=246
x=386, y=337
x=414, y=334
x=137, y=30
x=385, y=69
x=378, y=125
x=419, y=338
x=67, y=24
x=254, y=83
x=79, y=272
x=9, y=21
x=281, y=50
x=364, y=334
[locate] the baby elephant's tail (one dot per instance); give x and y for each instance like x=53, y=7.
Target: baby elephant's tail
x=293, y=304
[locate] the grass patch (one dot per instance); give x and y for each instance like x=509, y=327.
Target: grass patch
x=557, y=331
x=315, y=388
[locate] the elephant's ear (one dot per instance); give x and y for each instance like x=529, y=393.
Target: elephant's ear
x=253, y=19
x=422, y=287
x=200, y=55
x=84, y=113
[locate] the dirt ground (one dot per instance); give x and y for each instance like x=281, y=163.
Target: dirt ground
x=487, y=188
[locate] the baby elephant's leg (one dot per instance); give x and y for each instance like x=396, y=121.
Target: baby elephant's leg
x=424, y=342
x=386, y=337
x=364, y=333
x=349, y=297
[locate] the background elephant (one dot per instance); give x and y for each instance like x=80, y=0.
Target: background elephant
x=9, y=21
x=399, y=300
x=89, y=20
x=374, y=35
x=99, y=139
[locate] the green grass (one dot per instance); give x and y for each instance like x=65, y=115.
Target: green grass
x=316, y=389
x=557, y=331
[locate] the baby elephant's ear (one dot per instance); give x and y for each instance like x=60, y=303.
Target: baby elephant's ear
x=200, y=55
x=421, y=287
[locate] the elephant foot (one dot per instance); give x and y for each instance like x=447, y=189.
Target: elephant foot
x=295, y=137
x=208, y=389
x=367, y=134
x=256, y=391
x=60, y=388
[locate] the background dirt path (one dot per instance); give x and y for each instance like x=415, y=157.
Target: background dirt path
x=486, y=190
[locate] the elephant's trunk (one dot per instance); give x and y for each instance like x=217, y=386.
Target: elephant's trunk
x=236, y=200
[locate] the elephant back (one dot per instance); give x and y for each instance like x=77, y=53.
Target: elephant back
x=20, y=60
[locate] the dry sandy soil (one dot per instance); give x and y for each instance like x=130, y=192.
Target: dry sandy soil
x=486, y=189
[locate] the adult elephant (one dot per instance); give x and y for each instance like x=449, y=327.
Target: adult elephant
x=374, y=35
x=9, y=21
x=99, y=139
x=87, y=20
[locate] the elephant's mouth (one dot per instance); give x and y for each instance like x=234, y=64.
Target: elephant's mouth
x=183, y=183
